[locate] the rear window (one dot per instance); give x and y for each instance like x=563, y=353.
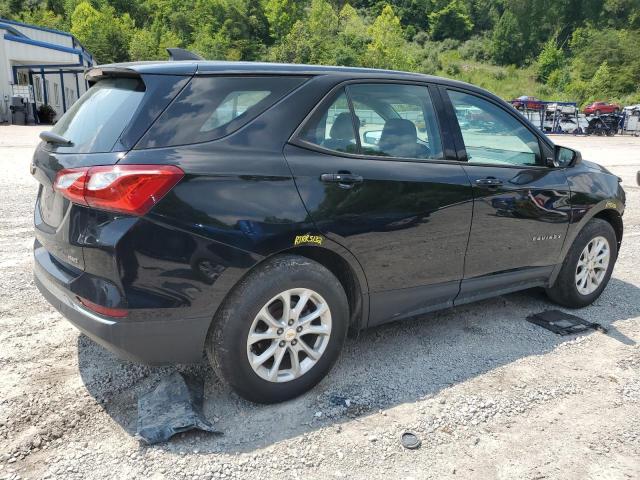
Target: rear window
x=212, y=107
x=95, y=122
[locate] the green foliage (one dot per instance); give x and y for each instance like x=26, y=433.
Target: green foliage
x=551, y=58
x=556, y=49
x=149, y=45
x=600, y=84
x=507, y=40
x=477, y=48
x=282, y=15
x=311, y=41
x=452, y=21
x=353, y=37
x=45, y=18
x=102, y=32
x=387, y=48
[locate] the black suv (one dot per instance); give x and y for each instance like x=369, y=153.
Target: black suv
x=259, y=211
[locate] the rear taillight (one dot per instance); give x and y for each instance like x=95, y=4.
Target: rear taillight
x=131, y=189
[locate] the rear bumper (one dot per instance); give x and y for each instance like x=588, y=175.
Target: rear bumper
x=158, y=341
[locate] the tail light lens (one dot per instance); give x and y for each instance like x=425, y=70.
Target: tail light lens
x=131, y=189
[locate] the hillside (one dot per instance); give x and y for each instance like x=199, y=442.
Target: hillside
x=555, y=49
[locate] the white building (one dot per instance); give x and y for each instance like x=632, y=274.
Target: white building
x=41, y=65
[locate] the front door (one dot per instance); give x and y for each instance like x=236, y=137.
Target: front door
x=370, y=169
x=521, y=205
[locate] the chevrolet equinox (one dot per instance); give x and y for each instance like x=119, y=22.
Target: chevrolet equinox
x=259, y=212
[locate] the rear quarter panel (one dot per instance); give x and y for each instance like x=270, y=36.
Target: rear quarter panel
x=237, y=205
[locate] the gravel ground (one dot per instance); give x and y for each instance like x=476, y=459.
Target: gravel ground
x=489, y=394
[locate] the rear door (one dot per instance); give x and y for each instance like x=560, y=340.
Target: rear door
x=521, y=205
x=370, y=165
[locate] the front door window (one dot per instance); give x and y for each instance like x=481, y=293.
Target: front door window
x=491, y=135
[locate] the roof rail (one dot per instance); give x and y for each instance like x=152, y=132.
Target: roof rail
x=182, y=54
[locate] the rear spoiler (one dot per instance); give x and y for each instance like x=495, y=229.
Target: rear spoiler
x=99, y=73
x=135, y=69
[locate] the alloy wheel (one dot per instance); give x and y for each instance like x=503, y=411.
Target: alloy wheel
x=289, y=335
x=592, y=265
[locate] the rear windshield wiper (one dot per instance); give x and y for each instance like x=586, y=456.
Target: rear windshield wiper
x=51, y=137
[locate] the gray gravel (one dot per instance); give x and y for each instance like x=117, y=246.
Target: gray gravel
x=489, y=394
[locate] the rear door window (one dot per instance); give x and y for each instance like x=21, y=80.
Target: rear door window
x=396, y=121
x=95, y=122
x=213, y=107
x=332, y=128
x=385, y=120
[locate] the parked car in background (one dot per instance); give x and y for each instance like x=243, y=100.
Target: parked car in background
x=527, y=102
x=240, y=209
x=598, y=108
x=560, y=108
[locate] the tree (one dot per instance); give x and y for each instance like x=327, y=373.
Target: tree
x=601, y=85
x=551, y=58
x=229, y=29
x=44, y=18
x=387, y=48
x=102, y=32
x=152, y=45
x=282, y=15
x=507, y=41
x=452, y=21
x=143, y=46
x=313, y=40
x=352, y=37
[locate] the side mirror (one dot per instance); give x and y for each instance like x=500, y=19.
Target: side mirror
x=564, y=157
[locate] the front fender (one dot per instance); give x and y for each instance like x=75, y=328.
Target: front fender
x=605, y=207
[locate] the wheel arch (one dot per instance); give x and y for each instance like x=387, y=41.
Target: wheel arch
x=614, y=218
x=348, y=273
x=609, y=215
x=339, y=261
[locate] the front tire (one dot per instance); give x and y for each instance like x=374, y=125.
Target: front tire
x=280, y=331
x=587, y=268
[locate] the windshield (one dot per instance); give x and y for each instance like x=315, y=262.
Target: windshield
x=95, y=122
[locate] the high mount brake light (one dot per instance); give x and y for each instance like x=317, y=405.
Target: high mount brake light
x=131, y=189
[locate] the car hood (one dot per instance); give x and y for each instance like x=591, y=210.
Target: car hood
x=596, y=167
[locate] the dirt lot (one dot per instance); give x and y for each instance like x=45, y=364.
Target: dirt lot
x=490, y=395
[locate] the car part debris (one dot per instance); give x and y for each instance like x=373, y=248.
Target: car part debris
x=563, y=323
x=173, y=406
x=410, y=440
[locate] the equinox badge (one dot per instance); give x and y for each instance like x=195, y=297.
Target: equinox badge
x=540, y=238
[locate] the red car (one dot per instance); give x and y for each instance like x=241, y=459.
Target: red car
x=598, y=108
x=530, y=103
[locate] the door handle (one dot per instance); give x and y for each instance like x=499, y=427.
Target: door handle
x=342, y=178
x=489, y=182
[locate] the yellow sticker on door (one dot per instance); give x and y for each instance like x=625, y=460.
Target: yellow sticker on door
x=308, y=238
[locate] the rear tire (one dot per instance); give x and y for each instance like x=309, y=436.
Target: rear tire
x=264, y=354
x=585, y=273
